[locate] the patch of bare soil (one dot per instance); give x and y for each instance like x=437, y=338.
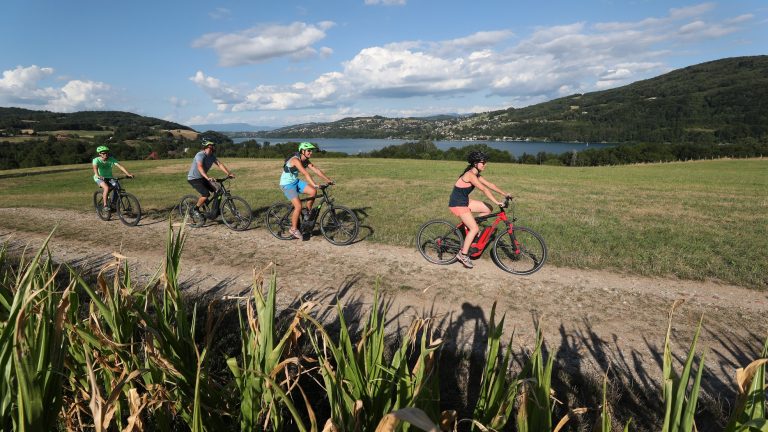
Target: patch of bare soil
x=591, y=318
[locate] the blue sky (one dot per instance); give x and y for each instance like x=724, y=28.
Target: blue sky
x=288, y=62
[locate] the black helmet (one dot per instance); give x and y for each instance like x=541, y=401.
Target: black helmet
x=476, y=156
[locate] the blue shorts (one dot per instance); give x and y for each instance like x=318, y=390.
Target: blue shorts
x=292, y=190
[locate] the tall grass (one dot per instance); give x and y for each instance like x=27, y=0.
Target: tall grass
x=114, y=356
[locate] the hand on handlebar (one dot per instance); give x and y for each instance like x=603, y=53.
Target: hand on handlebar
x=230, y=175
x=130, y=176
x=212, y=179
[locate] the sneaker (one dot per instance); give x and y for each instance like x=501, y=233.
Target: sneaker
x=296, y=233
x=106, y=209
x=197, y=214
x=464, y=260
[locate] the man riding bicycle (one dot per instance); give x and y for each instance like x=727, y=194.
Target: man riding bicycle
x=102, y=172
x=198, y=173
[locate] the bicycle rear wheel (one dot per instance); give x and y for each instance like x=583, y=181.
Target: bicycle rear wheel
x=98, y=204
x=439, y=241
x=279, y=221
x=128, y=209
x=530, y=257
x=339, y=225
x=236, y=214
x=186, y=207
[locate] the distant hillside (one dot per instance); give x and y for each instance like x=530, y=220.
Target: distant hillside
x=715, y=102
x=40, y=121
x=231, y=127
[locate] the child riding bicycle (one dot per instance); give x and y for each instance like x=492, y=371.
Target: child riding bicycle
x=102, y=172
x=292, y=186
x=462, y=206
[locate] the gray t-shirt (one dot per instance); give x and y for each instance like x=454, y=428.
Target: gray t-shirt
x=207, y=161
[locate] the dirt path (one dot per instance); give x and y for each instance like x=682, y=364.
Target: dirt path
x=592, y=318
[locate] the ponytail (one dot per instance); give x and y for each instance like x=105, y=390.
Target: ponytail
x=468, y=168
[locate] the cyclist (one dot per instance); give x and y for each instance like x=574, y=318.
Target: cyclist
x=462, y=206
x=198, y=173
x=292, y=186
x=102, y=172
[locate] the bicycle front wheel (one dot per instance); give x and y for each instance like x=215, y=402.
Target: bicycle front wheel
x=186, y=207
x=236, y=214
x=128, y=209
x=279, y=220
x=439, y=241
x=339, y=225
x=98, y=204
x=527, y=258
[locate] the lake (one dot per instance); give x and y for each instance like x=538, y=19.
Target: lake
x=355, y=146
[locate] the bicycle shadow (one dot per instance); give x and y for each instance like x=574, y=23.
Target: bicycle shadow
x=362, y=216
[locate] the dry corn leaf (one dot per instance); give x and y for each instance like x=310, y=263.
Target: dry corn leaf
x=413, y=416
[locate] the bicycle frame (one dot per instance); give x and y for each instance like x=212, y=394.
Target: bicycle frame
x=114, y=191
x=477, y=248
x=216, y=199
x=324, y=198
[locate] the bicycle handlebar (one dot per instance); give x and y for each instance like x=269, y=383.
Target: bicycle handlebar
x=221, y=180
x=506, y=202
x=116, y=178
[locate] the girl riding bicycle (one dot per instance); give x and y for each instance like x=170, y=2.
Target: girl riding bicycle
x=292, y=186
x=102, y=172
x=462, y=206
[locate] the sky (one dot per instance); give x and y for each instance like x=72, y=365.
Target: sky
x=286, y=62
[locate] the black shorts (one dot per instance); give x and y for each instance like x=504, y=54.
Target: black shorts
x=202, y=186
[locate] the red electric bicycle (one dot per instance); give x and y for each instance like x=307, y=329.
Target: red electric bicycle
x=517, y=249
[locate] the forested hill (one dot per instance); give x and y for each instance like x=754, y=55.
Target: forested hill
x=716, y=102
x=41, y=121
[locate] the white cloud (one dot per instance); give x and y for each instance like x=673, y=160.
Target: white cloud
x=264, y=43
x=220, y=13
x=739, y=19
x=325, y=53
x=550, y=62
x=19, y=87
x=385, y=2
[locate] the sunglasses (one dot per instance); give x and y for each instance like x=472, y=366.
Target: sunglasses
x=103, y=153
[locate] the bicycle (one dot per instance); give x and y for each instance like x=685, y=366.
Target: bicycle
x=339, y=225
x=517, y=250
x=235, y=211
x=124, y=204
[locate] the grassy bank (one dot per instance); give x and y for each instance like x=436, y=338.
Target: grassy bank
x=695, y=220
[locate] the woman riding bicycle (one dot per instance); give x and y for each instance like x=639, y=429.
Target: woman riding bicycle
x=292, y=186
x=462, y=206
x=102, y=172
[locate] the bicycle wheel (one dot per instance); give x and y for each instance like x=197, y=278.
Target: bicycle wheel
x=279, y=220
x=186, y=206
x=532, y=251
x=439, y=241
x=236, y=214
x=339, y=225
x=128, y=209
x=98, y=204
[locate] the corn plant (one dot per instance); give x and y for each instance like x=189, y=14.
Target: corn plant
x=749, y=411
x=177, y=370
x=361, y=385
x=263, y=360
x=32, y=344
x=110, y=335
x=534, y=413
x=497, y=398
x=679, y=407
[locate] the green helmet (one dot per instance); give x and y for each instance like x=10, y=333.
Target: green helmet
x=100, y=149
x=307, y=146
x=208, y=141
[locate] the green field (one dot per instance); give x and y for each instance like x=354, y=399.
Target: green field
x=695, y=220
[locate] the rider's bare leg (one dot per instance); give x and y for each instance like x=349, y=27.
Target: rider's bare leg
x=472, y=230
x=296, y=212
x=312, y=192
x=105, y=193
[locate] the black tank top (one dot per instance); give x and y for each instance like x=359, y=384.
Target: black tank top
x=460, y=193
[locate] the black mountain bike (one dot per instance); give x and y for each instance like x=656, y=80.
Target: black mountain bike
x=517, y=249
x=339, y=225
x=118, y=200
x=235, y=212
